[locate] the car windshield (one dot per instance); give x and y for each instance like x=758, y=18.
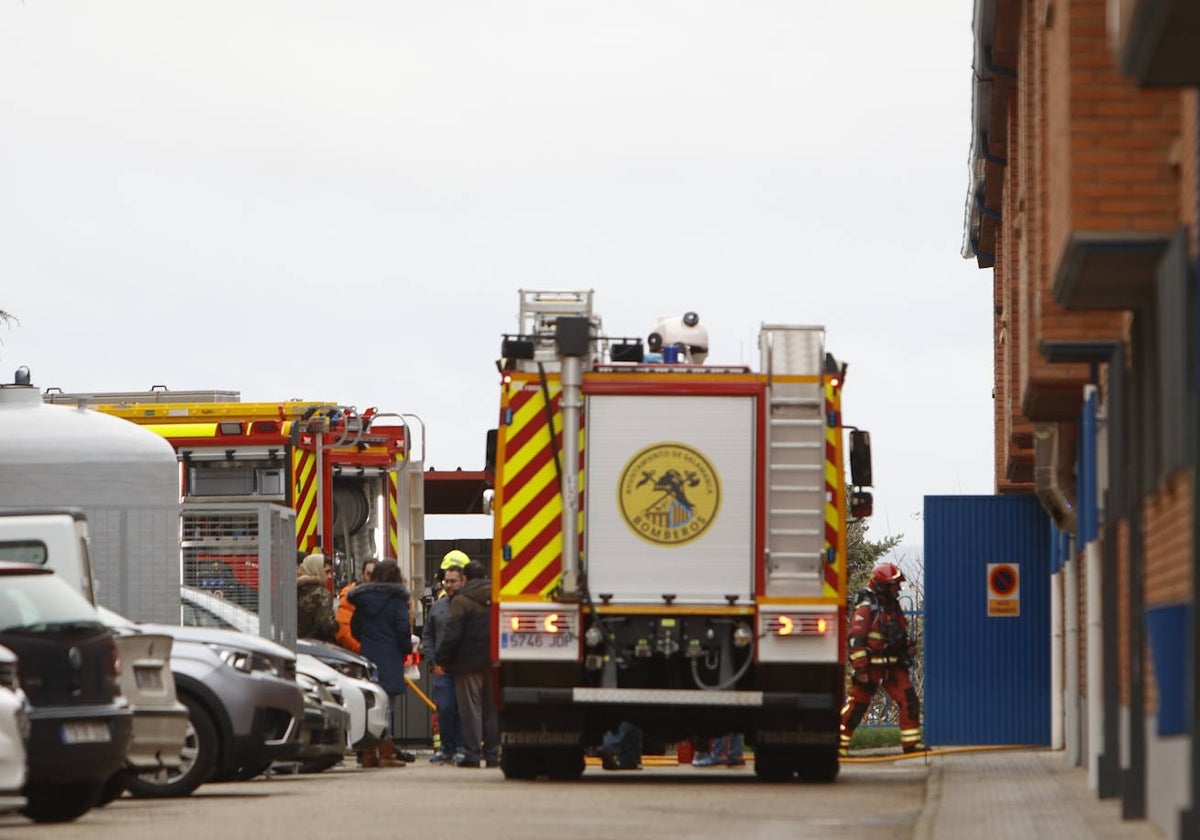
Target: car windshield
x=42, y=602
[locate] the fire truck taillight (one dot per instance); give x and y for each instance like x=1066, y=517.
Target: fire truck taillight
x=538, y=623
x=798, y=625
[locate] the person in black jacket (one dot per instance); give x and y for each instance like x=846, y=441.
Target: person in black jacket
x=465, y=652
x=381, y=623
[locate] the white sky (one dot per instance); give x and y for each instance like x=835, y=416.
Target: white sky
x=339, y=201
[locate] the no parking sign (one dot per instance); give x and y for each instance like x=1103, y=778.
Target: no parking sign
x=1004, y=590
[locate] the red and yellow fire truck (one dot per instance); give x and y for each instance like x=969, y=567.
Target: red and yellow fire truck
x=353, y=479
x=670, y=541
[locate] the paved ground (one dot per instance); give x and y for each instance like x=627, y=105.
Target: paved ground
x=1005, y=794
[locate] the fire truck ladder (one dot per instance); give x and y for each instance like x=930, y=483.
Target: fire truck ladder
x=792, y=358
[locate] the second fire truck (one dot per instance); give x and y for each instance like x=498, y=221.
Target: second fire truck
x=670, y=541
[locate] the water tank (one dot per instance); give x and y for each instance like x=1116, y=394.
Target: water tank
x=124, y=477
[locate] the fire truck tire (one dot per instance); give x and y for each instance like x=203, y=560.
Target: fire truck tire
x=520, y=763
x=818, y=764
x=565, y=763
x=773, y=764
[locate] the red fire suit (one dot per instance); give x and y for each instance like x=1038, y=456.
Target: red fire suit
x=880, y=654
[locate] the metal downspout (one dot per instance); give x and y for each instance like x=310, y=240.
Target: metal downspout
x=571, y=403
x=1071, y=573
x=1095, y=581
x=1056, y=659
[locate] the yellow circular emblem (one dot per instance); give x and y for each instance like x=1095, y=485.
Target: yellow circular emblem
x=669, y=494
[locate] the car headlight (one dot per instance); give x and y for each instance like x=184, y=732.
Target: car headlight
x=247, y=662
x=310, y=686
x=354, y=670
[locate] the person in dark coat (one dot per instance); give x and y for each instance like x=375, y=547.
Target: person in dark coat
x=381, y=623
x=465, y=652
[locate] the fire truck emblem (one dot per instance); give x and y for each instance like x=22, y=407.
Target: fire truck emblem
x=669, y=494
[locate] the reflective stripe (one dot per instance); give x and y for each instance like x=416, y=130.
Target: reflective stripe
x=858, y=654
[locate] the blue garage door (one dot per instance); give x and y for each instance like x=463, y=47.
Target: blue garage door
x=987, y=620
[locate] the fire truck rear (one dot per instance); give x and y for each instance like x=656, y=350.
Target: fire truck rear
x=670, y=541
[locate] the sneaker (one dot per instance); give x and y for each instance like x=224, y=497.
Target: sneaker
x=736, y=761
x=404, y=755
x=706, y=760
x=608, y=758
x=438, y=758
x=466, y=762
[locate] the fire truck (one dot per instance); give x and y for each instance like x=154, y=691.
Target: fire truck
x=669, y=541
x=347, y=482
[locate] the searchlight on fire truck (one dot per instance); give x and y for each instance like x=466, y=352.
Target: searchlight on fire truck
x=670, y=540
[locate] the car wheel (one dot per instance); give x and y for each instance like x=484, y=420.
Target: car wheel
x=199, y=758
x=245, y=774
x=60, y=803
x=320, y=765
x=112, y=788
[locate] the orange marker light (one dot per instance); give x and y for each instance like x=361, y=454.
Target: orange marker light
x=551, y=623
x=785, y=626
x=821, y=624
x=515, y=621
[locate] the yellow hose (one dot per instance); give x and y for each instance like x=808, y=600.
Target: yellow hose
x=876, y=759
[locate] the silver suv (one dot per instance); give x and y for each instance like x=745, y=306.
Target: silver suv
x=245, y=708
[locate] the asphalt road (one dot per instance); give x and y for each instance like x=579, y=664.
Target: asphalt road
x=443, y=803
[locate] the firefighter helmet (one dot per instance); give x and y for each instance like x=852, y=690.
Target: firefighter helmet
x=454, y=557
x=886, y=574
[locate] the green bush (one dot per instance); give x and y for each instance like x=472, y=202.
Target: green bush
x=873, y=737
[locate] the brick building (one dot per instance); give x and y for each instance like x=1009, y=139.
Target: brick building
x=1084, y=203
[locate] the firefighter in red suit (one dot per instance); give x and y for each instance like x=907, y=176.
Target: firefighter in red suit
x=880, y=654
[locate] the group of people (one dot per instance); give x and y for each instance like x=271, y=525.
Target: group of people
x=372, y=617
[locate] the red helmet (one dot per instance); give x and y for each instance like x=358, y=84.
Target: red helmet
x=886, y=573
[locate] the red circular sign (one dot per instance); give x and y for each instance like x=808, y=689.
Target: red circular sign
x=1003, y=580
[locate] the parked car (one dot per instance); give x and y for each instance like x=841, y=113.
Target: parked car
x=160, y=720
x=326, y=718
x=364, y=699
x=245, y=708
x=14, y=730
x=80, y=723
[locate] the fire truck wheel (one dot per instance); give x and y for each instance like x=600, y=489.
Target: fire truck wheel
x=818, y=764
x=519, y=763
x=773, y=764
x=565, y=763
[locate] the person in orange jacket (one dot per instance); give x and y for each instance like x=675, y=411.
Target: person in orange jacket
x=345, y=610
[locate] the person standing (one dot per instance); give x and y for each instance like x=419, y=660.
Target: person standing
x=314, y=602
x=880, y=655
x=381, y=624
x=345, y=610
x=449, y=725
x=464, y=651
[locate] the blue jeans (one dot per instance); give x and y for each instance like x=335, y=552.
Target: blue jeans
x=449, y=726
x=729, y=747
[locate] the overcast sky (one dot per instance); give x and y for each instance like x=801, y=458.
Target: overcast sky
x=340, y=201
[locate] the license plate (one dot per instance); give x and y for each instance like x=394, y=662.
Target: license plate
x=148, y=678
x=85, y=732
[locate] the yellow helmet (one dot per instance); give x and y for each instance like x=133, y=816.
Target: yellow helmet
x=455, y=557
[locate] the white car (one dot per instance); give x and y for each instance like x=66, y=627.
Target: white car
x=14, y=730
x=362, y=696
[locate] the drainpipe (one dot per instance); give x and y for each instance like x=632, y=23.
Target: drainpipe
x=1072, y=656
x=1088, y=515
x=1056, y=655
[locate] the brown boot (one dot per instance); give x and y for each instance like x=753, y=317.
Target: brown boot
x=387, y=754
x=369, y=758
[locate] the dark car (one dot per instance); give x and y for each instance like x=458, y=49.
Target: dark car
x=80, y=724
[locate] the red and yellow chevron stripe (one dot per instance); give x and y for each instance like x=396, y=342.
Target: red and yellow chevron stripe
x=835, y=495
x=529, y=501
x=304, y=498
x=393, y=514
